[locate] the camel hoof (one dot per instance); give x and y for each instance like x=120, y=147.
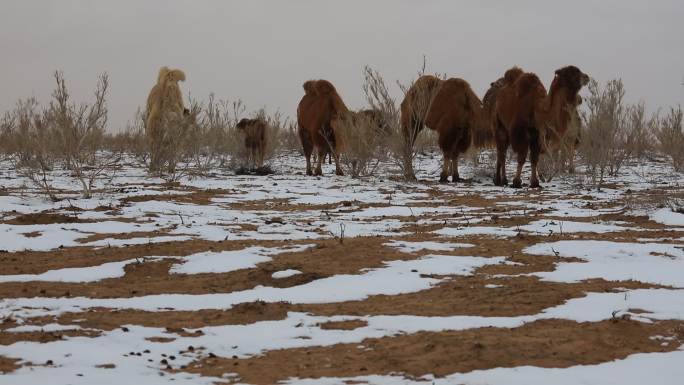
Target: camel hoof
x=309, y=173
x=517, y=183
x=456, y=179
x=443, y=179
x=339, y=173
x=534, y=184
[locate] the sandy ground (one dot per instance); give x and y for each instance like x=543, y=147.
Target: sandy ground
x=263, y=279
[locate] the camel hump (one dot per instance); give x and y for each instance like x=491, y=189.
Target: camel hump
x=325, y=87
x=512, y=74
x=528, y=82
x=458, y=88
x=309, y=87
x=163, y=71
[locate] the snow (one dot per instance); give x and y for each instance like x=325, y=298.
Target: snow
x=655, y=263
x=561, y=227
x=285, y=273
x=396, y=277
x=636, y=369
x=55, y=235
x=413, y=247
x=74, y=274
x=297, y=330
x=227, y=261
x=42, y=328
x=668, y=217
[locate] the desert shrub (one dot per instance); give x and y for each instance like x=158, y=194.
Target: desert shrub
x=29, y=144
x=361, y=142
x=132, y=140
x=178, y=145
x=218, y=120
x=275, y=125
x=401, y=145
x=26, y=135
x=78, y=131
x=676, y=205
x=426, y=141
x=606, y=141
x=670, y=137
x=288, y=138
x=64, y=133
x=641, y=130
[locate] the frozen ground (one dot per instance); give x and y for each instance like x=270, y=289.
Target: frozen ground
x=333, y=280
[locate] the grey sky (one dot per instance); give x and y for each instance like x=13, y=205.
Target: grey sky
x=261, y=51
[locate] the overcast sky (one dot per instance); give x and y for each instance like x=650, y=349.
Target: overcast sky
x=261, y=51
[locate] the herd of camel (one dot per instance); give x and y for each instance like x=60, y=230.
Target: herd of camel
x=515, y=112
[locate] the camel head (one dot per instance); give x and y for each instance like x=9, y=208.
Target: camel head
x=571, y=78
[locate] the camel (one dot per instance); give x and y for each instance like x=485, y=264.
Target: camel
x=320, y=106
x=529, y=119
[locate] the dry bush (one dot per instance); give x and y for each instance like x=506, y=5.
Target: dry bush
x=133, y=140
x=79, y=134
x=676, y=205
x=426, y=142
x=275, y=125
x=606, y=141
x=641, y=131
x=25, y=134
x=401, y=145
x=27, y=141
x=218, y=120
x=362, y=143
x=288, y=138
x=65, y=133
x=178, y=145
x=670, y=137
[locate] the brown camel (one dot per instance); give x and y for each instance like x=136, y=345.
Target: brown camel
x=414, y=107
x=529, y=119
x=457, y=115
x=320, y=106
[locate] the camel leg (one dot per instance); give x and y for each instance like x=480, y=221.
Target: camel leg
x=499, y=161
x=319, y=160
x=522, y=157
x=259, y=154
x=501, y=149
x=571, y=159
x=454, y=169
x=444, y=176
x=308, y=164
x=336, y=158
x=307, y=155
x=535, y=149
